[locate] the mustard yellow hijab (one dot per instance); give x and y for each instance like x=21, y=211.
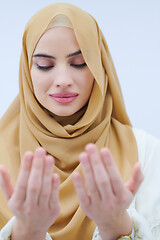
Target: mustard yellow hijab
x=104, y=121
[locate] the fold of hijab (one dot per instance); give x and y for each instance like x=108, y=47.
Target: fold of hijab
x=104, y=121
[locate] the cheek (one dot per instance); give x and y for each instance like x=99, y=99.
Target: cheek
x=84, y=77
x=88, y=81
x=41, y=83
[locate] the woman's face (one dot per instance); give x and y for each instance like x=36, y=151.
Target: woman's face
x=62, y=81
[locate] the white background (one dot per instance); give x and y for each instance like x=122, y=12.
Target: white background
x=132, y=31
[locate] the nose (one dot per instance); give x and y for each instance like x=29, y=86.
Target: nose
x=63, y=78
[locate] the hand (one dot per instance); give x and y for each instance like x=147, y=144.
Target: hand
x=34, y=200
x=105, y=198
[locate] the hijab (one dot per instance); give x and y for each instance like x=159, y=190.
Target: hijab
x=103, y=121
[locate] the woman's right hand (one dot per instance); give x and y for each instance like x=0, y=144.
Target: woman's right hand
x=35, y=199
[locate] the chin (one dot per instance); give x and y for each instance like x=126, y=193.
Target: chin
x=62, y=114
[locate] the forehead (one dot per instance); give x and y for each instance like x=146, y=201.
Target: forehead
x=57, y=37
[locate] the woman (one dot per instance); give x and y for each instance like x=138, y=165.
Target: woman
x=70, y=108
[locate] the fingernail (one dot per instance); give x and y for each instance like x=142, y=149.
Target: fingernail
x=83, y=157
x=91, y=148
x=40, y=153
x=49, y=163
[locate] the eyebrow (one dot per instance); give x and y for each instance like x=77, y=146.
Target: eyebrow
x=49, y=56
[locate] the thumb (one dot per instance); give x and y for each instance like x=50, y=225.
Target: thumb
x=136, y=179
x=5, y=183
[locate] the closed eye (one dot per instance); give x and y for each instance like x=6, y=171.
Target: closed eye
x=78, y=65
x=44, y=67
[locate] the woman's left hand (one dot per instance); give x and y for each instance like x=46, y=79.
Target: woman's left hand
x=104, y=198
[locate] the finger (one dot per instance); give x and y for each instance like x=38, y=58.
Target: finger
x=100, y=173
x=84, y=198
x=47, y=182
x=5, y=183
x=21, y=186
x=136, y=179
x=35, y=178
x=89, y=177
x=113, y=172
x=54, y=197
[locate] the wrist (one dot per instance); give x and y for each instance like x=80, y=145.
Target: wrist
x=122, y=226
x=20, y=231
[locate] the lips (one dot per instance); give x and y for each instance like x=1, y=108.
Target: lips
x=64, y=97
x=64, y=94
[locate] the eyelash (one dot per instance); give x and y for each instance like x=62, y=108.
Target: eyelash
x=45, y=68
x=78, y=65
